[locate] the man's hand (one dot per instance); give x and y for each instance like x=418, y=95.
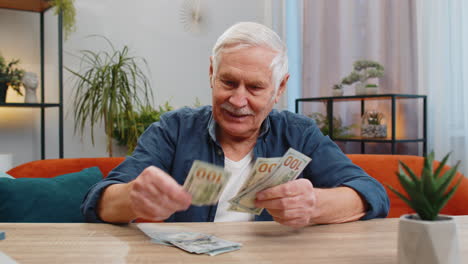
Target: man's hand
x=297, y=204
x=154, y=195
x=293, y=203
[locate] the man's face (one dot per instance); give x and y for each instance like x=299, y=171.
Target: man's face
x=243, y=92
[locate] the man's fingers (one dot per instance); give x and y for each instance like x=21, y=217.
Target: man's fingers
x=148, y=209
x=295, y=223
x=288, y=189
x=287, y=214
x=175, y=193
x=281, y=203
x=166, y=185
x=279, y=191
x=156, y=195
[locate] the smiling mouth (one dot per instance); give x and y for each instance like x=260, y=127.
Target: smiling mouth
x=235, y=116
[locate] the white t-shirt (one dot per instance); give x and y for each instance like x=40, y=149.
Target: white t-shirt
x=240, y=171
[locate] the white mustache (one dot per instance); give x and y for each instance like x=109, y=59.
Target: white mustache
x=237, y=111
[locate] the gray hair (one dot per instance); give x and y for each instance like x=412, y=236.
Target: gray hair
x=250, y=34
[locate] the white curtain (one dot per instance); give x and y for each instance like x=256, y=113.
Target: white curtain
x=443, y=75
x=336, y=33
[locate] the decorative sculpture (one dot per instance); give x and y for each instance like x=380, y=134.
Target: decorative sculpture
x=30, y=83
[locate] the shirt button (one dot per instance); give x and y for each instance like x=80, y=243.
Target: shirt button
x=219, y=152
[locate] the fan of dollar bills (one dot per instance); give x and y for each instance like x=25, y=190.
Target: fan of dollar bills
x=206, y=181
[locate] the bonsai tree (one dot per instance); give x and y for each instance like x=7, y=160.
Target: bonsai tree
x=363, y=70
x=428, y=194
x=10, y=76
x=337, y=86
x=109, y=88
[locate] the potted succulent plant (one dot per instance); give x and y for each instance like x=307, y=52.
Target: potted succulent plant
x=10, y=76
x=110, y=88
x=362, y=72
x=427, y=237
x=372, y=125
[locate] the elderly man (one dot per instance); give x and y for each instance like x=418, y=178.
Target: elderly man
x=248, y=74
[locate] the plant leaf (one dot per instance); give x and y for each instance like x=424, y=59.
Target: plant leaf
x=427, y=175
x=441, y=166
x=406, y=183
x=411, y=174
x=447, y=196
x=444, y=181
x=402, y=197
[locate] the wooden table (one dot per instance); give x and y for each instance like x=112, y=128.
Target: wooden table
x=373, y=241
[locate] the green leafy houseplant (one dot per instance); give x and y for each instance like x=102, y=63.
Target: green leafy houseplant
x=10, y=76
x=109, y=88
x=144, y=118
x=428, y=194
x=67, y=8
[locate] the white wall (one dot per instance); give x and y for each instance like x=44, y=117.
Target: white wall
x=178, y=60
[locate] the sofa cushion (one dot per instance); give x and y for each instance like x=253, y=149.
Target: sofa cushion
x=54, y=167
x=50, y=200
x=4, y=175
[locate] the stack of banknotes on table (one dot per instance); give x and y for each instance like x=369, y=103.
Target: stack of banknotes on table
x=192, y=242
x=206, y=181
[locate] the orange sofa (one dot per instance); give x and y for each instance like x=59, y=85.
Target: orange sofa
x=381, y=167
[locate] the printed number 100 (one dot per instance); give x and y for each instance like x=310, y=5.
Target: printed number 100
x=292, y=163
x=211, y=176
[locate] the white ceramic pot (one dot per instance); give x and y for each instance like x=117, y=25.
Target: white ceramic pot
x=337, y=92
x=427, y=242
x=372, y=90
x=360, y=88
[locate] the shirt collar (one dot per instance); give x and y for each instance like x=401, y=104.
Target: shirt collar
x=212, y=127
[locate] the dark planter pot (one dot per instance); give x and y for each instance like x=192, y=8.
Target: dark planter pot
x=3, y=90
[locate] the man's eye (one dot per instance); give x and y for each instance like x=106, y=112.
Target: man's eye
x=256, y=87
x=229, y=83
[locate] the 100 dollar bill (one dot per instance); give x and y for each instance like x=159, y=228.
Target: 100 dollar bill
x=205, y=182
x=289, y=168
x=187, y=240
x=261, y=169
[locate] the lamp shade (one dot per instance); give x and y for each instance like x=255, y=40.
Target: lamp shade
x=6, y=162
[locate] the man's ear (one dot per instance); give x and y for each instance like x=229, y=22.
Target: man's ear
x=282, y=88
x=211, y=72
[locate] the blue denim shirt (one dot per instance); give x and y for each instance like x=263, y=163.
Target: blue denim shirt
x=185, y=135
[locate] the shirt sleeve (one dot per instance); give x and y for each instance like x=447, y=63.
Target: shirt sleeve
x=330, y=167
x=155, y=148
